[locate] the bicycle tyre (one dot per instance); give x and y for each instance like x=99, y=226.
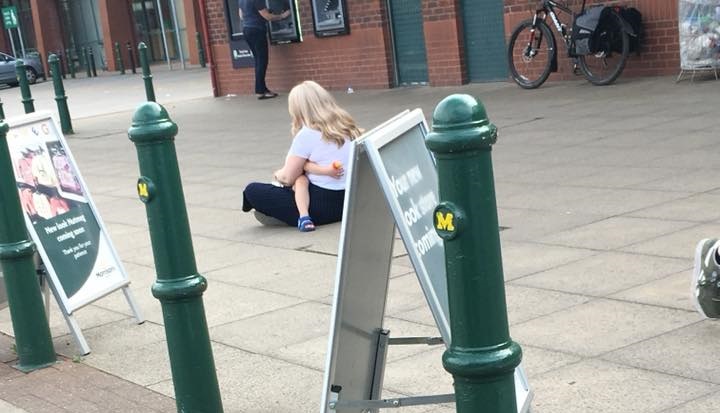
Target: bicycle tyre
x=524, y=81
x=614, y=33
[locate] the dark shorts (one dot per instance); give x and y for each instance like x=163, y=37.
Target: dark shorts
x=326, y=206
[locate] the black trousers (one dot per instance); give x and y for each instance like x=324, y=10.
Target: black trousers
x=326, y=206
x=257, y=41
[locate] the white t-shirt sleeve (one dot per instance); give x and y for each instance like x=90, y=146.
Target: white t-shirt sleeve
x=304, y=143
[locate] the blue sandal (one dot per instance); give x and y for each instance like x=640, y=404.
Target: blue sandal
x=305, y=224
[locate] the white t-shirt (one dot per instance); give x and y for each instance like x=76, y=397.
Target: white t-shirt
x=309, y=144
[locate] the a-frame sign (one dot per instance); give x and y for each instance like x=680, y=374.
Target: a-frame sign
x=392, y=182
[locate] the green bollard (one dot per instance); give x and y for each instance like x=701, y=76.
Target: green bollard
x=2, y=111
x=118, y=59
x=481, y=357
x=179, y=287
x=27, y=99
x=91, y=55
x=87, y=62
x=131, y=57
x=147, y=76
x=60, y=98
x=70, y=63
x=201, y=50
x=32, y=333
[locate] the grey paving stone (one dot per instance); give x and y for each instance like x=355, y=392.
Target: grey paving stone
x=671, y=291
x=614, y=233
x=600, y=326
x=524, y=258
x=699, y=208
x=282, y=327
x=530, y=225
x=679, y=244
x=524, y=303
x=602, y=387
x=682, y=352
x=707, y=403
x=604, y=273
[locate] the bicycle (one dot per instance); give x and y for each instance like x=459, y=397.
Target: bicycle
x=601, y=67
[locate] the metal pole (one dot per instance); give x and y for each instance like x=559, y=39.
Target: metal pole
x=27, y=99
x=177, y=33
x=179, y=286
x=147, y=75
x=12, y=43
x=60, y=98
x=22, y=44
x=162, y=32
x=481, y=357
x=33, y=342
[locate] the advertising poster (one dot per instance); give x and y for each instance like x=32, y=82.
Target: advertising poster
x=60, y=216
x=239, y=49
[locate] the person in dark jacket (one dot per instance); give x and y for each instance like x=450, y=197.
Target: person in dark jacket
x=255, y=16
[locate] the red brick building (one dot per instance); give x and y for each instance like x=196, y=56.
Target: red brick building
x=389, y=43
x=62, y=26
x=453, y=37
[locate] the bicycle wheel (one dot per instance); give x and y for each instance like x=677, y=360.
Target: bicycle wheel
x=531, y=53
x=604, y=66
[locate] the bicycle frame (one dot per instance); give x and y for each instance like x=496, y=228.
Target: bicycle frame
x=548, y=8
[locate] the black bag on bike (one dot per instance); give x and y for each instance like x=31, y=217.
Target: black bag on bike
x=634, y=18
x=583, y=40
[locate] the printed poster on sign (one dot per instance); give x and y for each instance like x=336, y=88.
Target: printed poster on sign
x=60, y=215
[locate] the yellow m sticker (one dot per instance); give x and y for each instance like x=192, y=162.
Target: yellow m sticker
x=142, y=188
x=444, y=222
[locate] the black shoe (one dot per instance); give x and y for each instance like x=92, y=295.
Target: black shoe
x=267, y=95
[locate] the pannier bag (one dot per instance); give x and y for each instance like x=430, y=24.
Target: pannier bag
x=582, y=39
x=634, y=18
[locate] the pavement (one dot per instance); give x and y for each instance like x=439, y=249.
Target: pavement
x=604, y=191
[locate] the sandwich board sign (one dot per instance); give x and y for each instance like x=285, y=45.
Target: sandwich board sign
x=391, y=182
x=61, y=218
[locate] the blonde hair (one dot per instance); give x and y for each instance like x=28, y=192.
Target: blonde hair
x=312, y=106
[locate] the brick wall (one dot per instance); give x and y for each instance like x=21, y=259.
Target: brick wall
x=48, y=35
x=444, y=42
x=361, y=59
x=117, y=26
x=660, y=51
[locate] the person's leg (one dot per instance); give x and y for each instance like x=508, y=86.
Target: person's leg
x=257, y=42
x=302, y=202
x=326, y=206
x=261, y=64
x=705, y=282
x=302, y=195
x=272, y=201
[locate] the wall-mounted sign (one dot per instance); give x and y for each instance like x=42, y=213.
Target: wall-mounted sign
x=239, y=49
x=286, y=30
x=330, y=17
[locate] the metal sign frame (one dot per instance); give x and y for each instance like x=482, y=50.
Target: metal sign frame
x=358, y=343
x=66, y=304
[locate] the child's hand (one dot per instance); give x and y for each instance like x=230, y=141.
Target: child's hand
x=337, y=170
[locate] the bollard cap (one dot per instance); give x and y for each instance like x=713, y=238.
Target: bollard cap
x=4, y=128
x=151, y=124
x=52, y=58
x=142, y=45
x=19, y=63
x=460, y=124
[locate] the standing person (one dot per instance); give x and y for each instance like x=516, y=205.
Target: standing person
x=323, y=133
x=255, y=16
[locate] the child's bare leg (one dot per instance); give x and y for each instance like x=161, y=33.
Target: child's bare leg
x=302, y=195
